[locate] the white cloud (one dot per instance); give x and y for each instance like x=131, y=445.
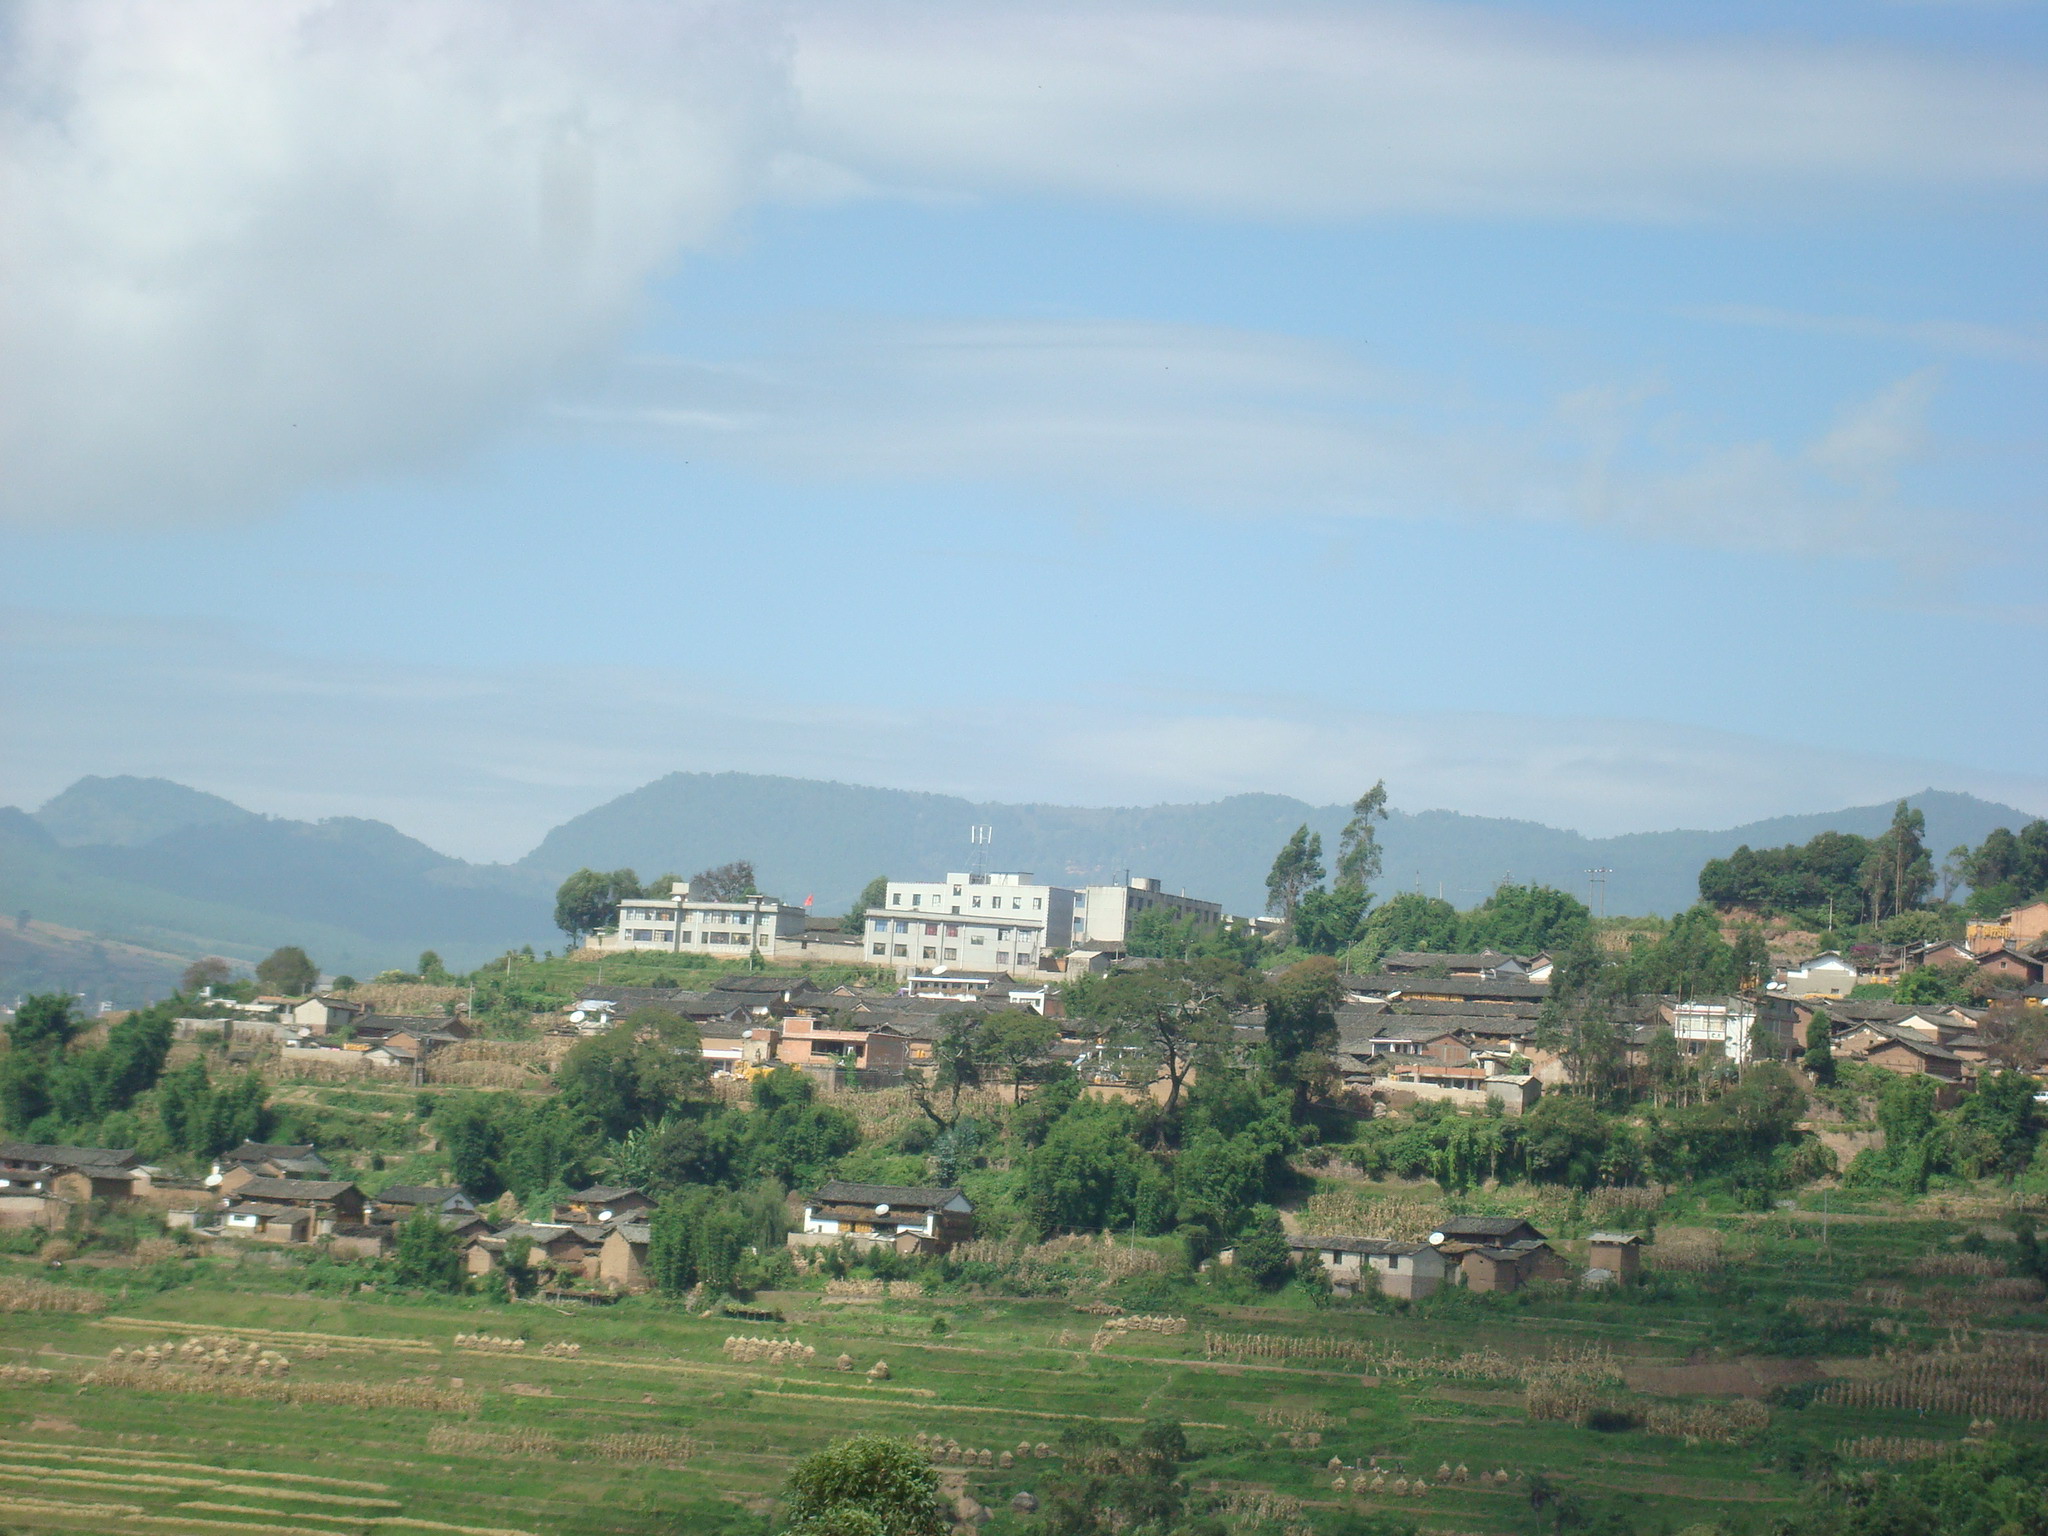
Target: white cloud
x=1242, y=422
x=1340, y=110
x=253, y=245
x=480, y=763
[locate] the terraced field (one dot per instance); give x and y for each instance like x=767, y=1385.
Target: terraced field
x=411, y=1414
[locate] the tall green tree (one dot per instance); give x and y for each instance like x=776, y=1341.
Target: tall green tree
x=649, y=1062
x=1525, y=920
x=1330, y=922
x=1898, y=870
x=870, y=1485
x=212, y=971
x=1301, y=1021
x=1296, y=868
x=1170, y=1016
x=1820, y=1047
x=873, y=894
x=1019, y=1044
x=427, y=1254
x=589, y=900
x=1358, y=848
x=43, y=1023
x=726, y=882
x=287, y=970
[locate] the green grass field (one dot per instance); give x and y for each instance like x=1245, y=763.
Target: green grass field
x=652, y=1428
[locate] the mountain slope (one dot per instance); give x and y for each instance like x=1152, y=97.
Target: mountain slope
x=806, y=836
x=125, y=811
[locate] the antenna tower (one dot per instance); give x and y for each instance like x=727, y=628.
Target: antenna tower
x=1596, y=887
x=979, y=839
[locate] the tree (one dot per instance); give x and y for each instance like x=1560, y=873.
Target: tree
x=868, y=1483
x=201, y=974
x=43, y=1023
x=728, y=882
x=1897, y=872
x=1691, y=959
x=431, y=969
x=1019, y=1042
x=1931, y=984
x=1171, y=1015
x=873, y=894
x=1752, y=957
x=287, y=970
x=589, y=900
x=1525, y=920
x=1262, y=1251
x=1410, y=921
x=1301, y=1020
x=1358, y=849
x=1820, y=1047
x=427, y=1254
x=1328, y=922
x=1296, y=868
x=650, y=1061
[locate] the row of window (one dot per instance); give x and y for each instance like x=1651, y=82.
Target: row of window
x=740, y=919
x=665, y=936
x=1016, y=902
x=931, y=930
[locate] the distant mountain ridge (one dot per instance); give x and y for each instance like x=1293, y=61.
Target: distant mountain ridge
x=808, y=836
x=183, y=872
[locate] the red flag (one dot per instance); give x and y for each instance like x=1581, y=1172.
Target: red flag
x=807, y=901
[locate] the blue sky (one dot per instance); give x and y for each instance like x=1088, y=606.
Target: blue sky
x=460, y=414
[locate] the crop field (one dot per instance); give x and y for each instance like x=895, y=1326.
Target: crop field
x=234, y=1403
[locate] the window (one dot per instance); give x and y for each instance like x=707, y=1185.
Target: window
x=930, y=953
x=901, y=926
x=643, y=936
x=979, y=938
x=878, y=925
x=881, y=949
x=952, y=954
x=903, y=951
x=1037, y=903
x=956, y=890
x=684, y=938
x=952, y=930
x=997, y=900
x=1080, y=898
x=931, y=930
x=896, y=900
x=915, y=898
x=1001, y=958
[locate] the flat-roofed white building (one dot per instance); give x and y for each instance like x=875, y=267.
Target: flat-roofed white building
x=1103, y=913
x=686, y=925
x=980, y=922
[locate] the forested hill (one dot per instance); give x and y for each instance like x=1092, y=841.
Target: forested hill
x=806, y=836
x=187, y=873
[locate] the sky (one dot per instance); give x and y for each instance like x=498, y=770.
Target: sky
x=459, y=412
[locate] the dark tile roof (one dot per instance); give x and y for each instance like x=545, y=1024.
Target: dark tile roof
x=1472, y=987
x=418, y=1194
x=1422, y=959
x=293, y=1189
x=266, y=1151
x=66, y=1157
x=1353, y=1244
x=1474, y=1228
x=765, y=984
x=601, y=1193
x=902, y=1197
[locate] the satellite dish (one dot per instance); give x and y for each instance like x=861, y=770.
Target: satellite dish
x=1436, y=1237
x=882, y=1210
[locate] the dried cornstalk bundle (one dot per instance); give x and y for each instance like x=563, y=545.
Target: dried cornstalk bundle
x=562, y=1350
x=769, y=1351
x=339, y=1394
x=26, y=1375
x=1146, y=1324
x=488, y=1341
x=1295, y=1418
x=642, y=1447
x=1972, y=1265
x=1728, y=1423
x=1893, y=1448
x=1688, y=1250
x=2006, y=1377
x=462, y=1440
x=2018, y=1288
x=20, y=1295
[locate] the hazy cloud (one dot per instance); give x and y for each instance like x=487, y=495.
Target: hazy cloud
x=1955, y=338
x=1243, y=422
x=253, y=245
x=1339, y=110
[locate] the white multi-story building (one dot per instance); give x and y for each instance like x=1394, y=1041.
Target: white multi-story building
x=683, y=924
x=997, y=922
x=1103, y=913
